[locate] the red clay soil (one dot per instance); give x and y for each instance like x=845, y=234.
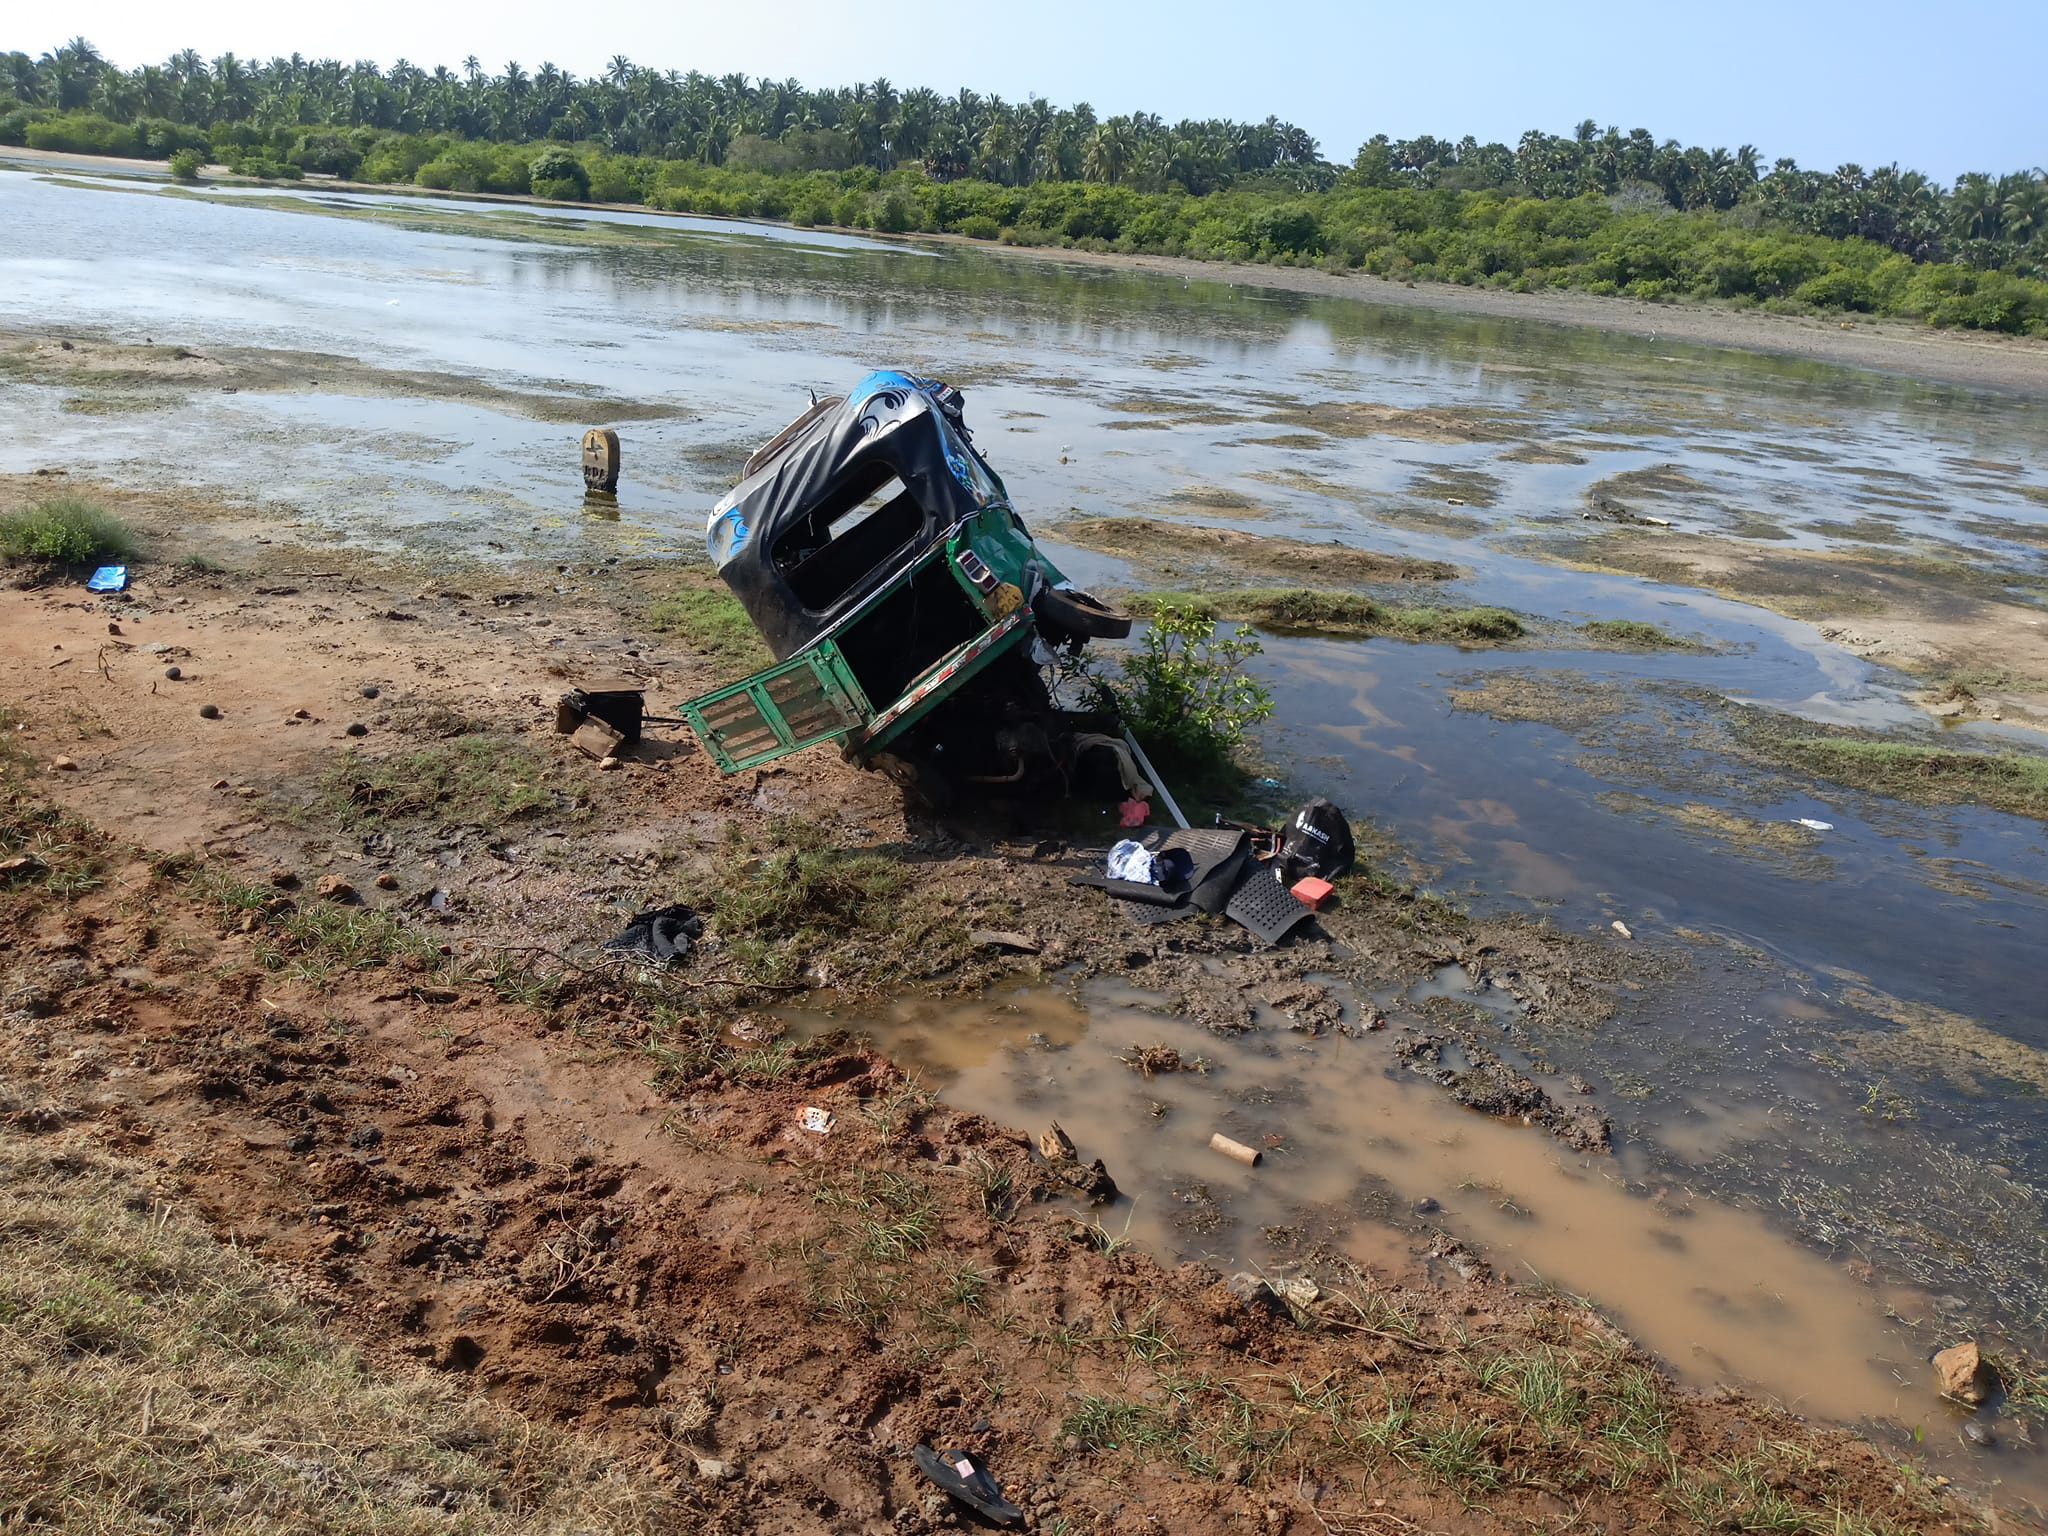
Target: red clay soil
x=585, y=1193
x=683, y=1270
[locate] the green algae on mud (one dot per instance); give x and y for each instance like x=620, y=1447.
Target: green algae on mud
x=1595, y=711
x=1788, y=846
x=2015, y=782
x=1428, y=424
x=1931, y=614
x=111, y=377
x=1170, y=549
x=1307, y=611
x=1936, y=1040
x=1636, y=635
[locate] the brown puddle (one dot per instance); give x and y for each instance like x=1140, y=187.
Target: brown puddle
x=1350, y=1153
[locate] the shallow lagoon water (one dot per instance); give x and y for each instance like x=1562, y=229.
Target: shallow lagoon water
x=1102, y=391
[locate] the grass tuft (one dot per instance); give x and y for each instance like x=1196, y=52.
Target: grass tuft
x=1635, y=635
x=1315, y=611
x=803, y=897
x=711, y=621
x=68, y=530
x=2006, y=781
x=476, y=779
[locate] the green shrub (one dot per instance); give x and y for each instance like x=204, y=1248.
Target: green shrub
x=1837, y=288
x=14, y=124
x=329, y=154
x=83, y=133
x=558, y=174
x=160, y=138
x=467, y=167
x=897, y=215
x=398, y=158
x=67, y=529
x=618, y=179
x=185, y=164
x=1186, y=695
x=979, y=226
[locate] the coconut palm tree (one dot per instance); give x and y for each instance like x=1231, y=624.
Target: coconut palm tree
x=2024, y=210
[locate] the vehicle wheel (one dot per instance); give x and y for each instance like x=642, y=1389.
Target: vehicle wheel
x=1066, y=614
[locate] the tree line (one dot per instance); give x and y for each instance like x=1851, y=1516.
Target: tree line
x=1594, y=208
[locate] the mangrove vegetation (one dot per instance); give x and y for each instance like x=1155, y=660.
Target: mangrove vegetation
x=1595, y=209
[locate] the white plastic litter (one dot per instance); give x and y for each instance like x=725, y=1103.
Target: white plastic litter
x=1131, y=860
x=1813, y=826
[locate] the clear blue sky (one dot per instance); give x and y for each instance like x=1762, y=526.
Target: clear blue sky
x=1941, y=88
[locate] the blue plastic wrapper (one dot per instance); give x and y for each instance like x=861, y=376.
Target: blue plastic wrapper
x=109, y=578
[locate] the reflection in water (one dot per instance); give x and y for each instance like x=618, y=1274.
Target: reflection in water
x=734, y=322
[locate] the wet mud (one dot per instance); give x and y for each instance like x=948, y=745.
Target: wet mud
x=1174, y=551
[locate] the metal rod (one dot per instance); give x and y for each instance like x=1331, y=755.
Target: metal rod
x=1158, y=783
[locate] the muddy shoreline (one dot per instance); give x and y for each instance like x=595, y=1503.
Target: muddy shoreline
x=2010, y=364
x=316, y=1069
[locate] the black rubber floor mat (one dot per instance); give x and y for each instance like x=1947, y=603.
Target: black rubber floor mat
x=1266, y=907
x=1141, y=912
x=1218, y=853
x=1131, y=890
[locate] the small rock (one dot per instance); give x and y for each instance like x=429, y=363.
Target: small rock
x=711, y=1470
x=370, y=691
x=64, y=765
x=365, y=1137
x=334, y=888
x=608, y=764
x=174, y=673
x=1961, y=1372
x=1000, y=939
x=113, y=628
x=284, y=879
x=1621, y=928
x=387, y=881
x=209, y=711
x=1297, y=1291
x=1253, y=1291
x=1977, y=1432
x=1233, y=1472
x=356, y=728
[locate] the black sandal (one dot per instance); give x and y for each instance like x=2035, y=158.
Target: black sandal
x=968, y=1481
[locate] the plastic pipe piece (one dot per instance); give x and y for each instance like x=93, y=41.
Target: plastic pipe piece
x=1158, y=783
x=1249, y=1156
